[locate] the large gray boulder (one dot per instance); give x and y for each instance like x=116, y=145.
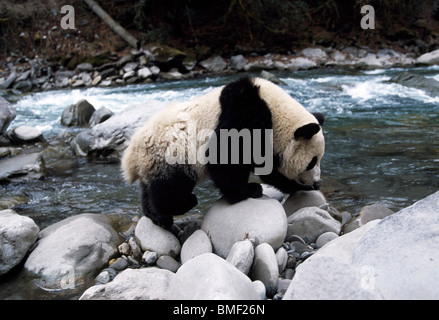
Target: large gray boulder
x=114, y=134
x=22, y=168
x=77, y=114
x=393, y=258
x=263, y=219
x=17, y=234
x=7, y=114
x=208, y=277
x=73, y=251
x=429, y=58
x=133, y=284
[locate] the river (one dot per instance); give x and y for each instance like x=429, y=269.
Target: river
x=382, y=142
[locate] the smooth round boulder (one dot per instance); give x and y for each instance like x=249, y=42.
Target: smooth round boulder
x=263, y=219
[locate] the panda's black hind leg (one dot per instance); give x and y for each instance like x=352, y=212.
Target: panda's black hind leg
x=167, y=196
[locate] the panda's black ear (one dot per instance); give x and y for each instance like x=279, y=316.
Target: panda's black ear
x=307, y=131
x=320, y=117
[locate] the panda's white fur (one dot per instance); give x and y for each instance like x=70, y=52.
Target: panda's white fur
x=145, y=156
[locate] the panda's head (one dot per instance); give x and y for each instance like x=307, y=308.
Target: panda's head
x=300, y=160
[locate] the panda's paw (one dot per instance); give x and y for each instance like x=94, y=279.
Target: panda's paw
x=254, y=190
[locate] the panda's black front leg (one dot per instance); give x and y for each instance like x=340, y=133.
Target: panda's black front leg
x=232, y=181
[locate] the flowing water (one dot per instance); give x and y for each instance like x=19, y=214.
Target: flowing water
x=382, y=142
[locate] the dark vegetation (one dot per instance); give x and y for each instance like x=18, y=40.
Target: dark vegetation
x=225, y=27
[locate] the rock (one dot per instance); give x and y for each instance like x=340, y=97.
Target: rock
x=271, y=77
x=130, y=66
x=265, y=267
x=241, y=255
x=303, y=199
x=150, y=258
x=282, y=259
x=144, y=73
x=134, y=249
x=25, y=134
x=168, y=263
x=77, y=114
x=367, y=214
x=151, y=237
x=300, y=63
x=315, y=54
x=263, y=219
x=133, y=284
x=99, y=116
x=165, y=57
x=23, y=168
x=17, y=234
x=211, y=277
x=311, y=222
x=198, y=243
x=84, y=67
x=409, y=270
x=214, y=64
x=329, y=274
x=324, y=238
x=9, y=80
x=129, y=74
x=238, y=62
x=96, y=80
x=113, y=135
x=120, y=264
x=417, y=81
x=72, y=252
x=7, y=114
x=23, y=86
x=429, y=58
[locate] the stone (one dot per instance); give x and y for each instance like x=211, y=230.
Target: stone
x=17, y=234
x=130, y=66
x=300, y=63
x=198, y=243
x=113, y=135
x=168, y=263
x=23, y=168
x=214, y=64
x=263, y=219
x=72, y=252
x=25, y=134
x=85, y=67
x=77, y=114
x=99, y=116
x=120, y=264
x=303, y=199
x=150, y=257
x=410, y=269
x=367, y=214
x=238, y=62
x=9, y=80
x=417, y=81
x=316, y=54
x=210, y=277
x=309, y=223
x=241, y=255
x=271, y=77
x=151, y=237
x=282, y=259
x=7, y=114
x=429, y=58
x=23, y=86
x=144, y=73
x=265, y=267
x=324, y=238
x=133, y=284
x=165, y=57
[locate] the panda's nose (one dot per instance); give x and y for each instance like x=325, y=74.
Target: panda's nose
x=316, y=186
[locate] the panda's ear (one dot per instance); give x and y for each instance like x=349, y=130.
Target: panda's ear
x=307, y=131
x=320, y=117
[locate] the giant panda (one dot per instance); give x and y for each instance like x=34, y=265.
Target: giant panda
x=161, y=154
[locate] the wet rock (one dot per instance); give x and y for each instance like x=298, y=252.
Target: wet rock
x=7, y=114
x=211, y=277
x=100, y=115
x=133, y=284
x=17, y=234
x=241, y=255
x=265, y=268
x=23, y=168
x=25, y=134
x=271, y=77
x=311, y=222
x=77, y=114
x=72, y=252
x=263, y=219
x=429, y=58
x=23, y=86
x=151, y=237
x=214, y=64
x=198, y=243
x=113, y=135
x=417, y=81
x=303, y=199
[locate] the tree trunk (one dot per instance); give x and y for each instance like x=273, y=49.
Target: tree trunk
x=116, y=27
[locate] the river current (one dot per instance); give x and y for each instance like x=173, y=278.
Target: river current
x=382, y=142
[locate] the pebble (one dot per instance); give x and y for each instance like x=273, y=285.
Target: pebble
x=325, y=238
x=168, y=263
x=120, y=264
x=150, y=258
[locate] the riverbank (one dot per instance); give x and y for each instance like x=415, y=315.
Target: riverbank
x=157, y=62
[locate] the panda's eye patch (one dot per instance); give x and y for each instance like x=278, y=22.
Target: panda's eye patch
x=312, y=164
